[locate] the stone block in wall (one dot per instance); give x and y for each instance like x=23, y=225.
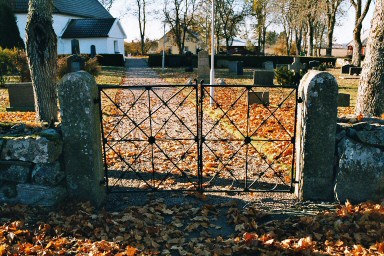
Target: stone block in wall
x=373, y=137
x=15, y=171
x=361, y=172
x=48, y=174
x=8, y=193
x=38, y=195
x=45, y=147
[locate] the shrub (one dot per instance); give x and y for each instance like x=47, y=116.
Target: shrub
x=91, y=66
x=284, y=76
x=23, y=67
x=13, y=62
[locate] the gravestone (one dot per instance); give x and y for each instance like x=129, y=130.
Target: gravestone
x=313, y=64
x=75, y=46
x=81, y=138
x=263, y=77
x=268, y=65
x=345, y=69
x=203, y=66
x=21, y=97
x=296, y=67
x=355, y=71
x=344, y=100
x=188, y=62
x=75, y=63
x=315, y=138
x=258, y=98
x=235, y=67
x=93, y=51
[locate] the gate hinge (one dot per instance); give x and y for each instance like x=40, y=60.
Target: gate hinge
x=102, y=182
x=299, y=100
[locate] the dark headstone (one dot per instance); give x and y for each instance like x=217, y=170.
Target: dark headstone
x=235, y=67
x=314, y=64
x=75, y=63
x=355, y=70
x=345, y=69
x=203, y=66
x=344, y=100
x=75, y=46
x=93, y=51
x=188, y=62
x=258, y=98
x=263, y=77
x=21, y=97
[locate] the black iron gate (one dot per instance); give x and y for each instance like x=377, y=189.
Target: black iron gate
x=198, y=137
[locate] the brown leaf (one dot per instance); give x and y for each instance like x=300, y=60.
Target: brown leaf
x=131, y=251
x=3, y=251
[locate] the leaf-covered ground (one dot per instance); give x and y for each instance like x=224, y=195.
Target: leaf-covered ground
x=188, y=229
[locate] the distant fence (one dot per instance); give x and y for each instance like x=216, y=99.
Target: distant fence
x=155, y=60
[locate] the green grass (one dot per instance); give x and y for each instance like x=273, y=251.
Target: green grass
x=349, y=86
x=111, y=75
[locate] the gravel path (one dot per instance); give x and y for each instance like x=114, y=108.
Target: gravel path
x=139, y=74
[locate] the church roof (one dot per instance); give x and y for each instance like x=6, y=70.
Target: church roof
x=80, y=8
x=85, y=28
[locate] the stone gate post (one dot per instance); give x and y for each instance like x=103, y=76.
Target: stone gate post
x=315, y=137
x=81, y=137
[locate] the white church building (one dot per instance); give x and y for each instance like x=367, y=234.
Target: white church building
x=84, y=20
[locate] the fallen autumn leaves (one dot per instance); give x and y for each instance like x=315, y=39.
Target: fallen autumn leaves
x=189, y=230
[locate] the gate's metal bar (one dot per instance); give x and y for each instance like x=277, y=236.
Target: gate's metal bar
x=103, y=139
x=200, y=101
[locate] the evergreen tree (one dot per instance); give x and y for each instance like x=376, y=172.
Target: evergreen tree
x=9, y=32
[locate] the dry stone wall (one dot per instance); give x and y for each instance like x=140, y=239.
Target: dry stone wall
x=359, y=168
x=30, y=168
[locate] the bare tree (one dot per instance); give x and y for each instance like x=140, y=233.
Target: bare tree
x=370, y=98
x=141, y=14
x=231, y=14
x=360, y=14
x=42, y=58
x=179, y=14
x=332, y=8
x=107, y=3
x=261, y=10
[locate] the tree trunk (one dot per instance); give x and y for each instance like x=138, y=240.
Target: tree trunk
x=357, y=46
x=42, y=59
x=328, y=51
x=311, y=32
x=370, y=99
x=298, y=38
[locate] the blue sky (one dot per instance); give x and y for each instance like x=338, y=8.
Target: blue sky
x=343, y=33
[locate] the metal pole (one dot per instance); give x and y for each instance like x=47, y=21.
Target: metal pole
x=212, y=77
x=163, y=60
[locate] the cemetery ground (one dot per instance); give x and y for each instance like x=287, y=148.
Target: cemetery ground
x=192, y=223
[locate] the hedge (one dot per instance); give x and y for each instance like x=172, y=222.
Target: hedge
x=155, y=60
x=116, y=60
